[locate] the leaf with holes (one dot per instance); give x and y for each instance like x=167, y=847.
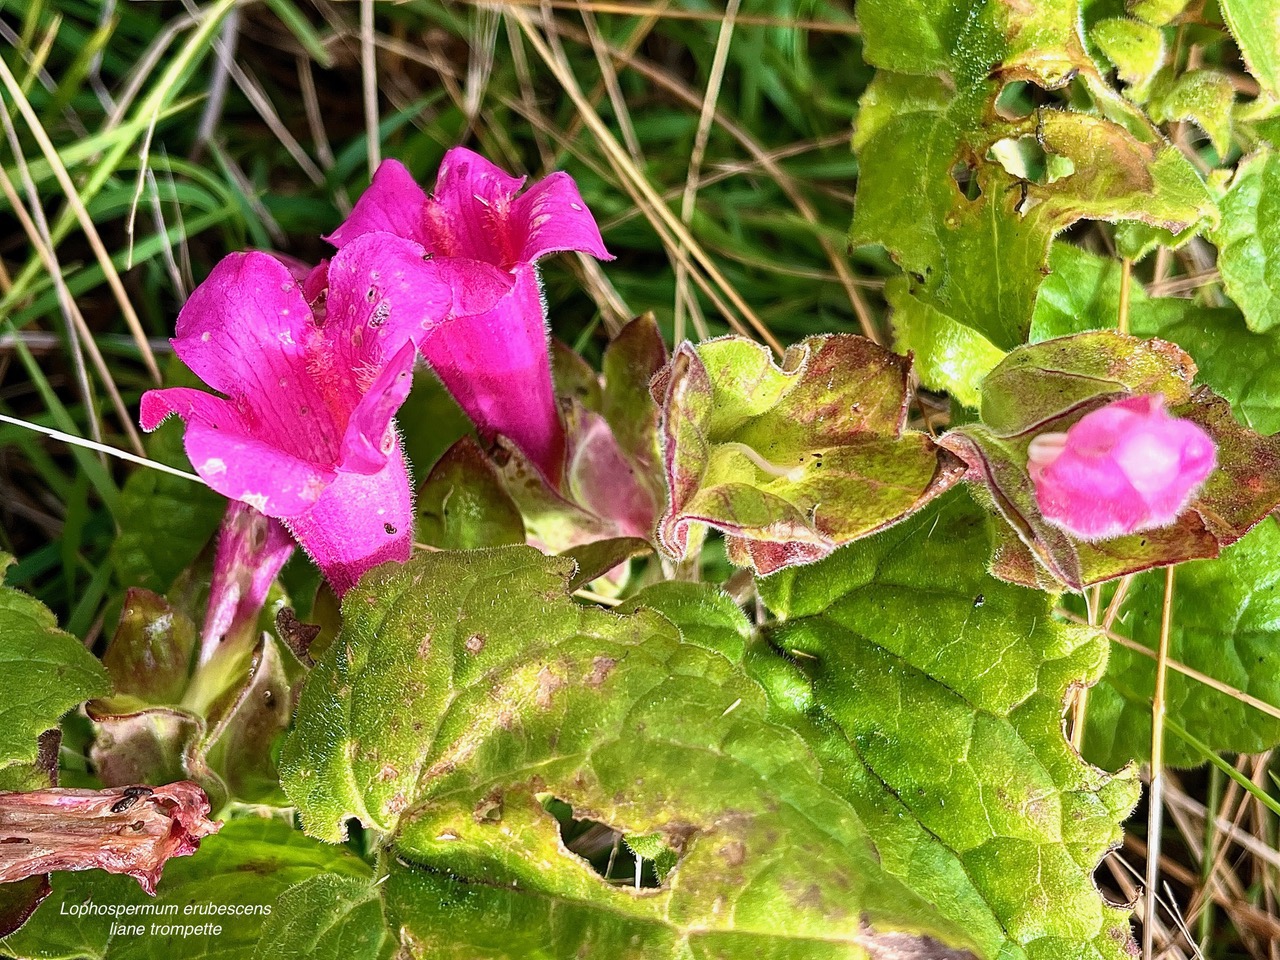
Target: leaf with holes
x=791, y=460
x=934, y=694
x=965, y=197
x=468, y=689
x=1047, y=387
x=1226, y=624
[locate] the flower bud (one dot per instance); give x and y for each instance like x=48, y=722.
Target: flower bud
x=1126, y=467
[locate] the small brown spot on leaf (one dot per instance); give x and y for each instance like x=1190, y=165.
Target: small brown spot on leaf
x=388, y=772
x=548, y=683
x=475, y=643
x=601, y=667
x=734, y=853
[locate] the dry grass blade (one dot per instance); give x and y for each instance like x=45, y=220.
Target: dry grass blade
x=768, y=162
x=82, y=215
x=676, y=13
x=100, y=448
x=671, y=227
x=684, y=297
x=1155, y=794
x=369, y=85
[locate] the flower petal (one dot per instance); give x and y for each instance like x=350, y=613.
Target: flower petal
x=467, y=215
x=550, y=217
x=392, y=204
x=361, y=521
x=232, y=460
x=497, y=366
x=384, y=292
x=369, y=440
x=246, y=331
x=1126, y=467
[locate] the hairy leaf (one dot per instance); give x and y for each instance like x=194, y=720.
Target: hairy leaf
x=466, y=688
x=792, y=460
x=1083, y=293
x=1204, y=97
x=705, y=615
x=1256, y=29
x=1136, y=49
x=934, y=693
x=947, y=355
x=1226, y=623
x=463, y=503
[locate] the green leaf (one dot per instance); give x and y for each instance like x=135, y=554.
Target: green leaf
x=1256, y=30
x=705, y=615
x=934, y=692
x=1226, y=624
x=328, y=917
x=947, y=356
x=467, y=687
x=967, y=200
x=1135, y=48
x=792, y=460
x=463, y=503
x=250, y=863
x=1248, y=240
x=1083, y=293
x=1156, y=12
x=1204, y=97
x=1045, y=388
x=43, y=671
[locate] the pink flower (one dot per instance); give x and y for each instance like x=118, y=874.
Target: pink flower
x=252, y=548
x=1126, y=467
x=492, y=358
x=304, y=430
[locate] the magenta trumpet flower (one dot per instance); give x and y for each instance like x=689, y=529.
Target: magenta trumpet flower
x=1126, y=467
x=303, y=431
x=492, y=357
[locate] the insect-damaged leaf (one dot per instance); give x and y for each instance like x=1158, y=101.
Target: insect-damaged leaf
x=946, y=179
x=933, y=693
x=1048, y=386
x=791, y=461
x=466, y=688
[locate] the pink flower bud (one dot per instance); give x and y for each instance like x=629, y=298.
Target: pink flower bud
x=252, y=548
x=1126, y=467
